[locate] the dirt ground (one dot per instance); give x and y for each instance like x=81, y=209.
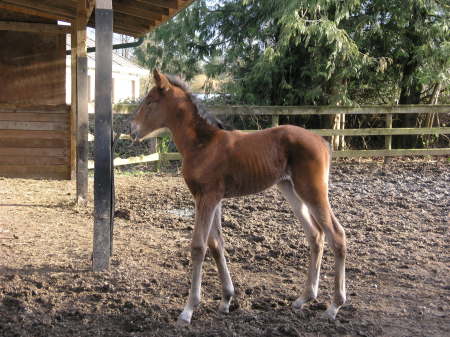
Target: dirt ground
x=398, y=267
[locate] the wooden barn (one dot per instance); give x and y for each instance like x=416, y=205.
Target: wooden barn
x=40, y=136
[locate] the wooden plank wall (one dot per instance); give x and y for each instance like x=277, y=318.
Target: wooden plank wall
x=34, y=142
x=32, y=68
x=34, y=119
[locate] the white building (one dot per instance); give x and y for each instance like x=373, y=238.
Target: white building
x=128, y=78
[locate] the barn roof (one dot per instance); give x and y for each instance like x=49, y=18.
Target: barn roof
x=131, y=17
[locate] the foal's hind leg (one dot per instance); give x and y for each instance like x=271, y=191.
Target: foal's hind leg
x=216, y=246
x=315, y=238
x=314, y=192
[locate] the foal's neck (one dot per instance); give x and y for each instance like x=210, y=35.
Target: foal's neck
x=190, y=131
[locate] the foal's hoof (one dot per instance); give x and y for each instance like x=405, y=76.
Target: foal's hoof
x=183, y=320
x=331, y=312
x=224, y=308
x=298, y=304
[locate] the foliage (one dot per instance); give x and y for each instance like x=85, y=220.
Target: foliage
x=164, y=144
x=308, y=52
x=415, y=36
x=311, y=52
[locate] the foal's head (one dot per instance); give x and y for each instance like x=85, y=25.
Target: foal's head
x=155, y=110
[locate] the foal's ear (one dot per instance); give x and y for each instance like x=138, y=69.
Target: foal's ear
x=161, y=81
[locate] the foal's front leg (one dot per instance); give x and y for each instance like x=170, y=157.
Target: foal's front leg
x=205, y=208
x=216, y=246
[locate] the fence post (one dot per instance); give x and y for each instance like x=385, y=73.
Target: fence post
x=158, y=151
x=342, y=140
x=275, y=120
x=388, y=138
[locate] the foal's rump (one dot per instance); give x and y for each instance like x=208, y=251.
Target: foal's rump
x=308, y=163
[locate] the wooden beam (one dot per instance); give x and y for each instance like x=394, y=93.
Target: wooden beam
x=33, y=117
x=128, y=25
x=172, y=6
x=139, y=11
x=132, y=160
x=82, y=104
x=103, y=193
x=354, y=153
x=48, y=152
x=35, y=12
x=135, y=23
x=132, y=28
x=251, y=110
x=169, y=4
x=34, y=27
x=125, y=31
x=155, y=9
x=326, y=110
x=73, y=102
x=59, y=12
x=34, y=171
x=32, y=160
x=38, y=108
x=90, y=5
x=381, y=131
x=26, y=125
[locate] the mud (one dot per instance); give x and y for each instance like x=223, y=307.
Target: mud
x=398, y=279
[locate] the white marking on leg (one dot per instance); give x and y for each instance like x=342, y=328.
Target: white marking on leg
x=335, y=236
x=216, y=245
x=315, y=239
x=332, y=311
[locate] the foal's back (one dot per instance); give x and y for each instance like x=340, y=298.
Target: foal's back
x=239, y=163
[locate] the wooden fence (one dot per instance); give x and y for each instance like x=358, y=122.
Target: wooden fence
x=275, y=111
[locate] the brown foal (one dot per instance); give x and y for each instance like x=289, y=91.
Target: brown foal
x=220, y=164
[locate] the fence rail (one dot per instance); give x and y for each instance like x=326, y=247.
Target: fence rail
x=251, y=110
x=276, y=111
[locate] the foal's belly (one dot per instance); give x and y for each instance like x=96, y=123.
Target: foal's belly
x=239, y=184
x=253, y=169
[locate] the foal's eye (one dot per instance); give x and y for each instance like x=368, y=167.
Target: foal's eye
x=150, y=106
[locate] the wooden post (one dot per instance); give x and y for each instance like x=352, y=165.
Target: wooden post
x=82, y=104
x=103, y=126
x=388, y=138
x=275, y=120
x=73, y=104
x=154, y=148
x=342, y=138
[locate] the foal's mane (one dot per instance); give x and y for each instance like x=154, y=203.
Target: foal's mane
x=201, y=110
